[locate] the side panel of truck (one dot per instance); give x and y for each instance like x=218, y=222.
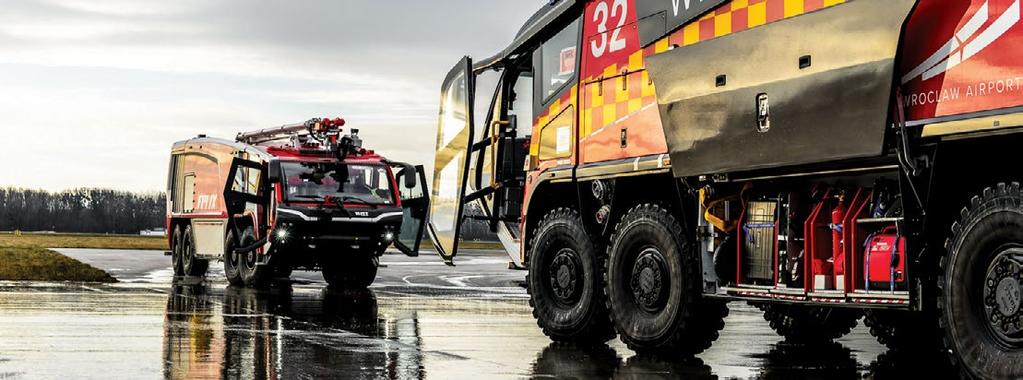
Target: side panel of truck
x=962, y=59
x=197, y=193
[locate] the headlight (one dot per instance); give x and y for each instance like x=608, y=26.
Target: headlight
x=282, y=234
x=388, y=237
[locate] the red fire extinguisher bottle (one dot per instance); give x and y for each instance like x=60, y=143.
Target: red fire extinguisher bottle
x=837, y=245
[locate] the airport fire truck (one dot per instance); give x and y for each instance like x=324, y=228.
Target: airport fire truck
x=649, y=161
x=300, y=196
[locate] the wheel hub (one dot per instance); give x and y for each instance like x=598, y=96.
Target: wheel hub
x=649, y=285
x=250, y=260
x=1003, y=296
x=565, y=276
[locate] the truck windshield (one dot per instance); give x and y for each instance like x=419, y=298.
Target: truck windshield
x=349, y=183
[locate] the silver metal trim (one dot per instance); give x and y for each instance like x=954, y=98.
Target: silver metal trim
x=343, y=219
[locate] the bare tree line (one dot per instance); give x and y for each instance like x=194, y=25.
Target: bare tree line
x=81, y=210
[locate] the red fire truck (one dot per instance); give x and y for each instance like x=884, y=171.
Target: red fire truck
x=649, y=161
x=300, y=196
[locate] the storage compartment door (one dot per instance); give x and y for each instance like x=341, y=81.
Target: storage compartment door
x=808, y=89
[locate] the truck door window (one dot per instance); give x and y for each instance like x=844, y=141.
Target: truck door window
x=522, y=105
x=246, y=180
x=558, y=61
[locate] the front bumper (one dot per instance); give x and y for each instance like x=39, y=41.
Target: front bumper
x=313, y=228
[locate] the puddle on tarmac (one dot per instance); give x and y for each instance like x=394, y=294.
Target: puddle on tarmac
x=207, y=331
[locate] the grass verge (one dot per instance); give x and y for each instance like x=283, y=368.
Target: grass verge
x=40, y=264
x=8, y=239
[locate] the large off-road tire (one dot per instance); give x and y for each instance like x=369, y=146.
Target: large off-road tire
x=252, y=274
x=911, y=332
x=191, y=265
x=810, y=323
x=565, y=282
x=176, y=252
x=232, y=261
x=653, y=286
x=355, y=271
x=979, y=296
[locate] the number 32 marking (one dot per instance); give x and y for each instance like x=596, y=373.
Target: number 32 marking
x=601, y=16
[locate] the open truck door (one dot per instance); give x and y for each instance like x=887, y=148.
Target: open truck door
x=415, y=204
x=248, y=187
x=451, y=165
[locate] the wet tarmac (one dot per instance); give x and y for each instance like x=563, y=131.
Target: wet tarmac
x=420, y=320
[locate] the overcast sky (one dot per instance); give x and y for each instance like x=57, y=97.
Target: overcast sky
x=94, y=92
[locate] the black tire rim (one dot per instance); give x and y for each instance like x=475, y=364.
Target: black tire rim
x=176, y=251
x=250, y=260
x=186, y=255
x=565, y=275
x=649, y=285
x=1003, y=296
x=230, y=256
x=234, y=259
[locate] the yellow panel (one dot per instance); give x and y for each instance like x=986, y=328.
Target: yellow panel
x=636, y=59
x=981, y=124
x=828, y=3
x=610, y=114
x=556, y=137
x=610, y=71
x=757, y=15
x=635, y=105
x=739, y=4
x=596, y=99
x=648, y=87
x=793, y=8
x=691, y=33
x=661, y=46
x=722, y=24
x=621, y=95
x=587, y=122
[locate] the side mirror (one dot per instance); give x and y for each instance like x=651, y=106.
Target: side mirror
x=273, y=174
x=411, y=176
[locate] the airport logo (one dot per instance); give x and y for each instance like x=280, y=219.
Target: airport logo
x=966, y=43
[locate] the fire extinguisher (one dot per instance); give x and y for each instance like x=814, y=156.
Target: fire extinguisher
x=837, y=246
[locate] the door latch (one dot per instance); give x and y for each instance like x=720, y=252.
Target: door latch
x=763, y=113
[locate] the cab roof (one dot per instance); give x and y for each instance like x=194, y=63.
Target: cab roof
x=535, y=28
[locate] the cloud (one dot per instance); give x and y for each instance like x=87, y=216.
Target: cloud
x=94, y=92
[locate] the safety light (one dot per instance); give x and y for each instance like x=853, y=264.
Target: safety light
x=282, y=234
x=388, y=237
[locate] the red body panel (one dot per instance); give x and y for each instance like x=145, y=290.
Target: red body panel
x=962, y=56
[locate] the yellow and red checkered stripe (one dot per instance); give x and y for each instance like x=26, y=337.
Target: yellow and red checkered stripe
x=625, y=89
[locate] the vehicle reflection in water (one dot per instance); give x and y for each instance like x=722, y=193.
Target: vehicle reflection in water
x=602, y=362
x=809, y=361
x=248, y=334
x=783, y=361
x=238, y=333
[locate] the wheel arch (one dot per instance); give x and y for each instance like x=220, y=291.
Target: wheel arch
x=962, y=169
x=544, y=197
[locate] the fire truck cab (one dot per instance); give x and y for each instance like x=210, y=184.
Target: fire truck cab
x=299, y=196
x=649, y=161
